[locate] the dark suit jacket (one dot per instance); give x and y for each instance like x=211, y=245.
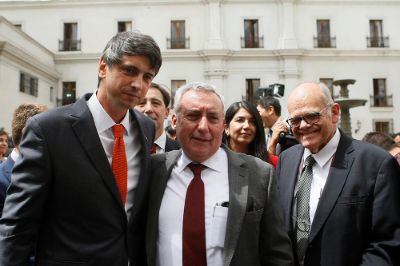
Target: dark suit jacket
x=5, y=178
x=255, y=233
x=64, y=192
x=171, y=145
x=357, y=221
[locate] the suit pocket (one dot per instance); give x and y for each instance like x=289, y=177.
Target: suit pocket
x=352, y=199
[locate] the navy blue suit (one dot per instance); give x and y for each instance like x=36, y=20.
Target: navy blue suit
x=5, y=179
x=64, y=197
x=357, y=221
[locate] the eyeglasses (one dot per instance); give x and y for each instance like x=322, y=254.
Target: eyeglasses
x=310, y=118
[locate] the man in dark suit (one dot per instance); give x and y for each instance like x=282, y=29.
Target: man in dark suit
x=226, y=215
x=156, y=106
x=21, y=114
x=67, y=194
x=340, y=196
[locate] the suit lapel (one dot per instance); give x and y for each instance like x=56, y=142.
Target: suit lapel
x=287, y=181
x=337, y=177
x=238, y=192
x=159, y=178
x=145, y=140
x=86, y=132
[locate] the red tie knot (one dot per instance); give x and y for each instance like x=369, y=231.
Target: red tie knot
x=196, y=168
x=118, y=130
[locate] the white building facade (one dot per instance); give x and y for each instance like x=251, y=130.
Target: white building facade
x=237, y=45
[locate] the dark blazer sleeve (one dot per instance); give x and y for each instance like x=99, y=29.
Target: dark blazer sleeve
x=384, y=237
x=23, y=208
x=5, y=177
x=275, y=245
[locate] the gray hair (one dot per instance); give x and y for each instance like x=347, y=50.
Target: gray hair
x=132, y=43
x=196, y=86
x=327, y=97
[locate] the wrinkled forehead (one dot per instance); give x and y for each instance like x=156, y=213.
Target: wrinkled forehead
x=201, y=99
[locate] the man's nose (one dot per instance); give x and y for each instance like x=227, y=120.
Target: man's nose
x=203, y=123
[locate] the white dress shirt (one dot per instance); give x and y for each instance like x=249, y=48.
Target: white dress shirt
x=160, y=142
x=104, y=123
x=320, y=171
x=216, y=191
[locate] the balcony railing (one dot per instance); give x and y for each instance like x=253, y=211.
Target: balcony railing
x=381, y=100
x=324, y=42
x=378, y=41
x=257, y=42
x=182, y=43
x=69, y=45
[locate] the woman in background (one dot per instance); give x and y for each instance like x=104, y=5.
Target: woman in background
x=244, y=131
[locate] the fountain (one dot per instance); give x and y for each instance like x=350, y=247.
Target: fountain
x=346, y=103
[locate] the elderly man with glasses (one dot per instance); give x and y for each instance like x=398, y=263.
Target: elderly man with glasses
x=340, y=196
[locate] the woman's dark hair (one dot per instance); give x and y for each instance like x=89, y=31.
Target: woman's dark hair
x=258, y=147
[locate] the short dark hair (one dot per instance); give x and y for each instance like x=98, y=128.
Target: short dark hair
x=132, y=43
x=380, y=139
x=3, y=132
x=266, y=102
x=258, y=147
x=163, y=91
x=21, y=114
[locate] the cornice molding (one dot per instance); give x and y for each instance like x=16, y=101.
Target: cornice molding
x=20, y=57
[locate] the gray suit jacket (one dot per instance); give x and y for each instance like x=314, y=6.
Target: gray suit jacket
x=357, y=221
x=64, y=197
x=255, y=233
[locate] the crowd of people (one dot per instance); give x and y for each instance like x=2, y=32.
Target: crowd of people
x=104, y=182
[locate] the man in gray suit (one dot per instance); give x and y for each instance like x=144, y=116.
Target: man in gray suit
x=67, y=194
x=209, y=205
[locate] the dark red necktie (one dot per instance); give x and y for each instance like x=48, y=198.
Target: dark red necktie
x=119, y=163
x=153, y=148
x=194, y=232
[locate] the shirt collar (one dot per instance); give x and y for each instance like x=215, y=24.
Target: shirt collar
x=213, y=162
x=161, y=141
x=102, y=119
x=326, y=153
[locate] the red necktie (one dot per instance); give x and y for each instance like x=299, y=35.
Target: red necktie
x=153, y=148
x=119, y=164
x=194, y=235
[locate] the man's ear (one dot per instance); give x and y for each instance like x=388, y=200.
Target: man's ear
x=335, y=109
x=173, y=120
x=166, y=113
x=102, y=69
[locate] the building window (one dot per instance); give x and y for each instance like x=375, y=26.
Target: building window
x=251, y=37
x=324, y=39
x=19, y=26
x=329, y=83
x=175, y=84
x=178, y=38
x=70, y=41
x=376, y=38
x=380, y=97
x=384, y=126
x=28, y=84
x=124, y=26
x=251, y=86
x=69, y=92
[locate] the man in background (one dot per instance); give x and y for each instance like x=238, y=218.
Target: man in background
x=21, y=114
x=270, y=112
x=156, y=106
x=3, y=145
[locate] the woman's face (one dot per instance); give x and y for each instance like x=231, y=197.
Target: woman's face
x=3, y=145
x=242, y=128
